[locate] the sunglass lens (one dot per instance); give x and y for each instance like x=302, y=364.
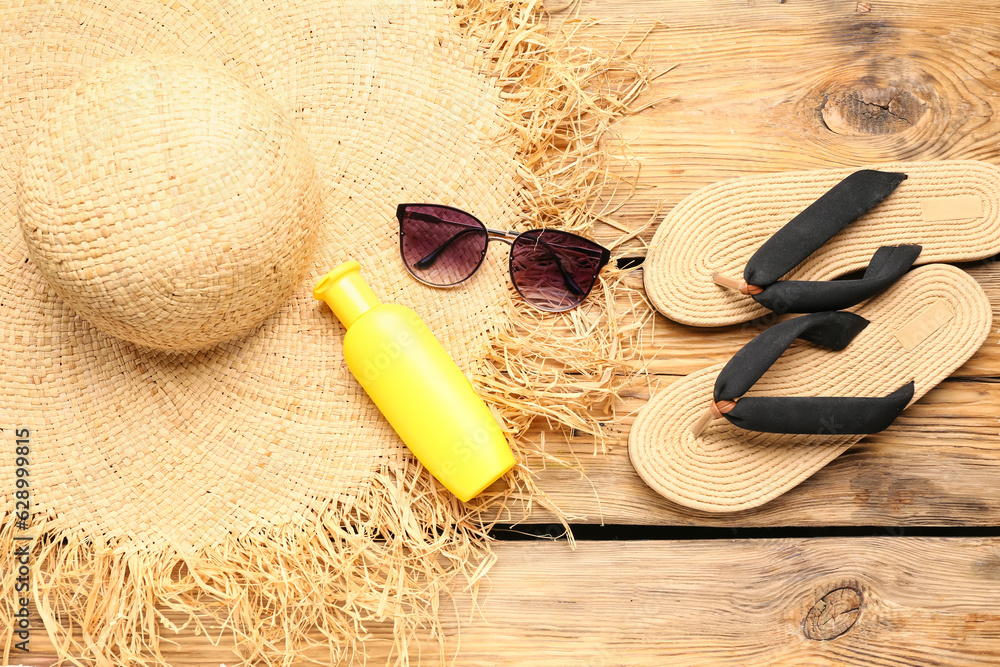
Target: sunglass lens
x=555, y=270
x=441, y=246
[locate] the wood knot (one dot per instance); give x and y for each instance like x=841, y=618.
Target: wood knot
x=834, y=614
x=870, y=109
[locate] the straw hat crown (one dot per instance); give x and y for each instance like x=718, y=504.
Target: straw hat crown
x=169, y=203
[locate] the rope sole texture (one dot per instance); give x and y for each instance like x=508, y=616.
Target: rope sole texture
x=951, y=208
x=922, y=329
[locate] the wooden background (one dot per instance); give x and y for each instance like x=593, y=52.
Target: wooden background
x=758, y=86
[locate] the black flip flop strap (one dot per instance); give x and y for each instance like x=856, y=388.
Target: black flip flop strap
x=820, y=415
x=887, y=265
x=818, y=223
x=804, y=415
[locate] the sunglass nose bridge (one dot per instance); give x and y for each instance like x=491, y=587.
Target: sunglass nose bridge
x=502, y=235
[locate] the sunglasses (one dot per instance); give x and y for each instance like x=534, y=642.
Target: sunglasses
x=552, y=270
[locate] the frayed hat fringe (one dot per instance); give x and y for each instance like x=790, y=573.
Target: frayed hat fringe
x=401, y=545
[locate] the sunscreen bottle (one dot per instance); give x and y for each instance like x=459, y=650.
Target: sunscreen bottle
x=418, y=387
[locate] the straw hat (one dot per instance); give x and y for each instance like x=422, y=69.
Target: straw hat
x=173, y=179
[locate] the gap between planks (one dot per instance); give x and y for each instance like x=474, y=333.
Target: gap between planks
x=853, y=602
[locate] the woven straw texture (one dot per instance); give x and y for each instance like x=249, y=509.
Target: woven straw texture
x=184, y=449
x=168, y=203
x=252, y=485
x=727, y=469
x=718, y=228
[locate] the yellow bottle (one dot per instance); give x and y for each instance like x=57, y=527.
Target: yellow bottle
x=417, y=386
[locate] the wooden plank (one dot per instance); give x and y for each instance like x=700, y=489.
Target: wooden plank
x=761, y=85
x=938, y=465
x=766, y=86
x=668, y=348
x=758, y=86
x=785, y=603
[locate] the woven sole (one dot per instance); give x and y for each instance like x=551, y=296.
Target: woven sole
x=718, y=228
x=728, y=469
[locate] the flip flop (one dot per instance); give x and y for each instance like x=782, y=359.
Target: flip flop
x=893, y=349
x=725, y=237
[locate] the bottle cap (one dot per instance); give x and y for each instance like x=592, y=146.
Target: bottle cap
x=346, y=292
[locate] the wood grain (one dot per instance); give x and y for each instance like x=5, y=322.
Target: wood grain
x=939, y=465
x=784, y=603
x=669, y=348
x=759, y=86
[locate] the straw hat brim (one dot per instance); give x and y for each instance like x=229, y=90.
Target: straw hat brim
x=727, y=469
